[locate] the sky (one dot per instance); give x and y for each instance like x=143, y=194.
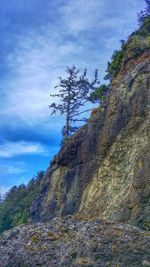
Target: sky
x=39, y=39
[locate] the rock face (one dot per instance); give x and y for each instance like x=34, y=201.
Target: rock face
x=100, y=178
x=103, y=170
x=75, y=243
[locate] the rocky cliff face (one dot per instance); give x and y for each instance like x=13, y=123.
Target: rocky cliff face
x=103, y=170
x=100, y=177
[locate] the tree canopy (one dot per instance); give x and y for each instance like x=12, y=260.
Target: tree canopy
x=74, y=92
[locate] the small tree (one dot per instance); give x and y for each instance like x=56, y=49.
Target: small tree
x=144, y=14
x=99, y=95
x=114, y=66
x=74, y=91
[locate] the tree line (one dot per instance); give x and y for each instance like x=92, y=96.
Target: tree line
x=15, y=205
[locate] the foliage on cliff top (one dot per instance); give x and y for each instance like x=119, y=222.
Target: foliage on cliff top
x=137, y=43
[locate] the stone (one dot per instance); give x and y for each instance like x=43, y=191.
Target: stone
x=70, y=242
x=103, y=169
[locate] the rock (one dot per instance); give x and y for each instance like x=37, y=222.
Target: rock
x=96, y=191
x=70, y=242
x=103, y=170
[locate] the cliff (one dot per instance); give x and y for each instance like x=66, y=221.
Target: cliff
x=96, y=191
x=103, y=170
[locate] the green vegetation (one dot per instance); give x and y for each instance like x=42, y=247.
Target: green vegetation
x=137, y=43
x=99, y=95
x=143, y=15
x=114, y=66
x=15, y=208
x=74, y=92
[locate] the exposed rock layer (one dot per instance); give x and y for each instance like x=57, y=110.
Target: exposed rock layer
x=104, y=168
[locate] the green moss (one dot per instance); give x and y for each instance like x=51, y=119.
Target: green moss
x=146, y=226
x=52, y=236
x=85, y=261
x=95, y=248
x=73, y=255
x=35, y=239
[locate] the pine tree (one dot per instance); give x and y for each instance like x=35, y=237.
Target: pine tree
x=144, y=14
x=74, y=91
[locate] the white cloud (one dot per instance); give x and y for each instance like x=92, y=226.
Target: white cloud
x=37, y=62
x=4, y=190
x=10, y=149
x=8, y=169
x=83, y=35
x=80, y=16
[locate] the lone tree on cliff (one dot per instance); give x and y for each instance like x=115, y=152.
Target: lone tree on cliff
x=74, y=91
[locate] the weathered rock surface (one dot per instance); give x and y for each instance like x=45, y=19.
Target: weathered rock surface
x=104, y=168
x=74, y=243
x=101, y=177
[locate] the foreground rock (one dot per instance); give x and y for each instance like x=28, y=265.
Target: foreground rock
x=75, y=243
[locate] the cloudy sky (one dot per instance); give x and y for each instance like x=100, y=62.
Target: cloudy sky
x=39, y=38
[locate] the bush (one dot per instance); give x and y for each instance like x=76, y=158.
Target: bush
x=135, y=46
x=145, y=27
x=114, y=66
x=99, y=95
x=137, y=43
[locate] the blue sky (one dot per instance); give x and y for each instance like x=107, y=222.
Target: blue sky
x=39, y=38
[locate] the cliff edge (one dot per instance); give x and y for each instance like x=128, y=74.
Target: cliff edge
x=103, y=170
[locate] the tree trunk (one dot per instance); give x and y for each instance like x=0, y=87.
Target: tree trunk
x=68, y=116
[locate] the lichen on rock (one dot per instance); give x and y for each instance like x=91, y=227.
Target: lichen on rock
x=81, y=243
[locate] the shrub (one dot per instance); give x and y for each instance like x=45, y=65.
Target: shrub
x=135, y=46
x=114, y=66
x=137, y=43
x=99, y=95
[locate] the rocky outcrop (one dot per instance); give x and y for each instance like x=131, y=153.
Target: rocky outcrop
x=75, y=243
x=100, y=181
x=103, y=170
